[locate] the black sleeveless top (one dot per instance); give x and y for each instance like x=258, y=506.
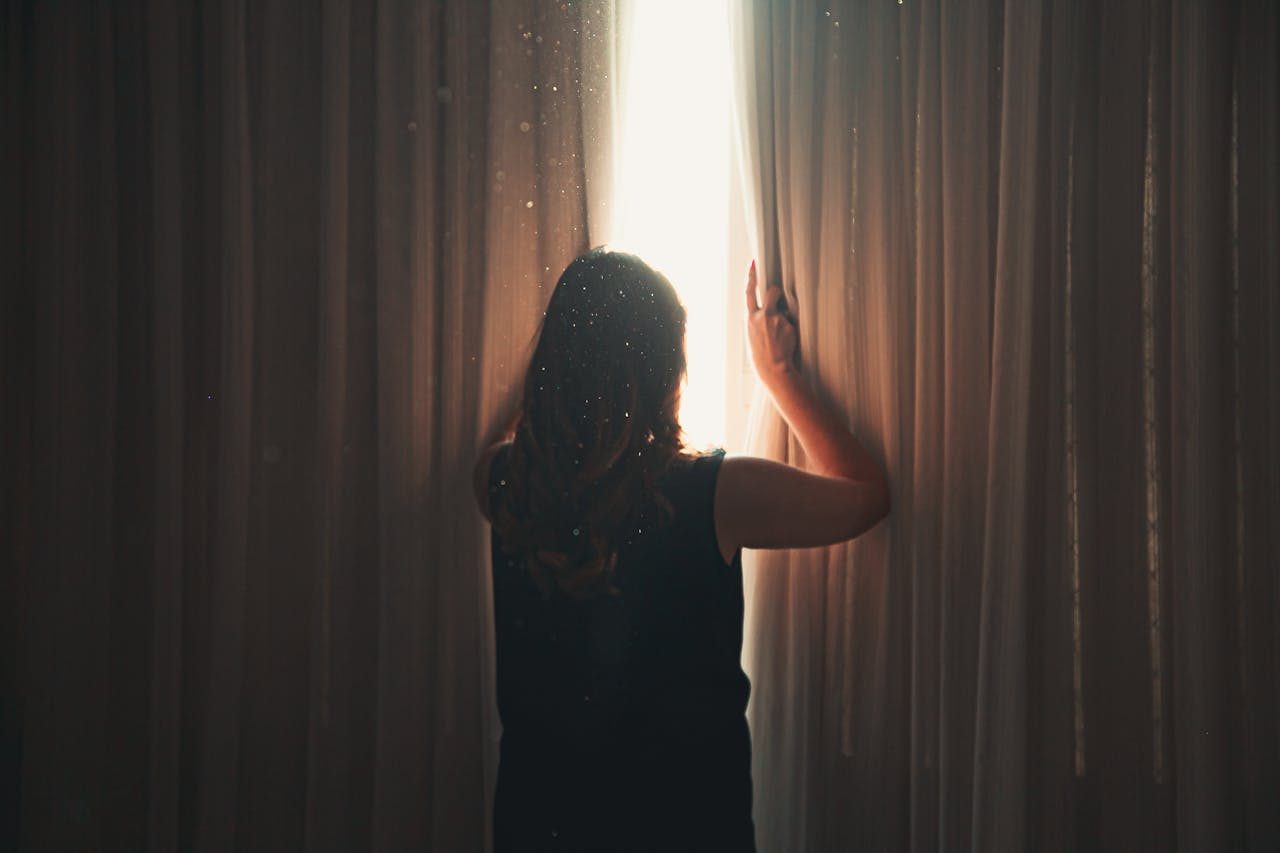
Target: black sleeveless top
x=624, y=718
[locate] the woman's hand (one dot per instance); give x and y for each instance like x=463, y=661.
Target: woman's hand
x=771, y=333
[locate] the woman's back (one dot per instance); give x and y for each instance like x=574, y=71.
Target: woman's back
x=624, y=716
x=624, y=713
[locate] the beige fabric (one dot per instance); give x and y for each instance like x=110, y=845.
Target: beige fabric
x=274, y=267
x=1031, y=247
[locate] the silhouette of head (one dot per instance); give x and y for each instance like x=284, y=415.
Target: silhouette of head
x=599, y=422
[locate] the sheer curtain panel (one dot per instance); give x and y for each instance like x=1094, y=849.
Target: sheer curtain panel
x=1032, y=251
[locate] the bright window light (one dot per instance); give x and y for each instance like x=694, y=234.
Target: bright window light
x=673, y=182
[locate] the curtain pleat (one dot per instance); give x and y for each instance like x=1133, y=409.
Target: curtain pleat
x=272, y=268
x=1255, y=217
x=232, y=390
x=164, y=644
x=1030, y=249
x=1203, y=488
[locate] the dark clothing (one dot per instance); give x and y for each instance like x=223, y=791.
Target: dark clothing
x=624, y=718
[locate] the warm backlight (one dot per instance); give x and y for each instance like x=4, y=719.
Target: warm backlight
x=673, y=181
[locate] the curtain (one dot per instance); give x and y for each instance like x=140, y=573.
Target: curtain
x=267, y=267
x=1032, y=252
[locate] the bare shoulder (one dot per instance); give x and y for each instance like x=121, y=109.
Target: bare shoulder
x=761, y=503
x=480, y=475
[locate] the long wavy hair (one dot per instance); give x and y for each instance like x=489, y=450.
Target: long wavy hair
x=598, y=425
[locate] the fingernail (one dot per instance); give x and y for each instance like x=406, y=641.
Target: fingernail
x=753, y=264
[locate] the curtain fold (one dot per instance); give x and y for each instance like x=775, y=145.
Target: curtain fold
x=268, y=271
x=1031, y=252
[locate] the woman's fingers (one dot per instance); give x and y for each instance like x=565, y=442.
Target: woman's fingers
x=771, y=333
x=773, y=297
x=783, y=330
x=787, y=334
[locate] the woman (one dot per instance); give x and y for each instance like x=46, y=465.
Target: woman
x=617, y=569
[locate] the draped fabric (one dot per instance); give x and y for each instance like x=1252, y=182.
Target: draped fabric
x=1032, y=252
x=262, y=264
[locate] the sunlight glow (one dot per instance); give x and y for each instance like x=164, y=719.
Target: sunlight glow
x=673, y=182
